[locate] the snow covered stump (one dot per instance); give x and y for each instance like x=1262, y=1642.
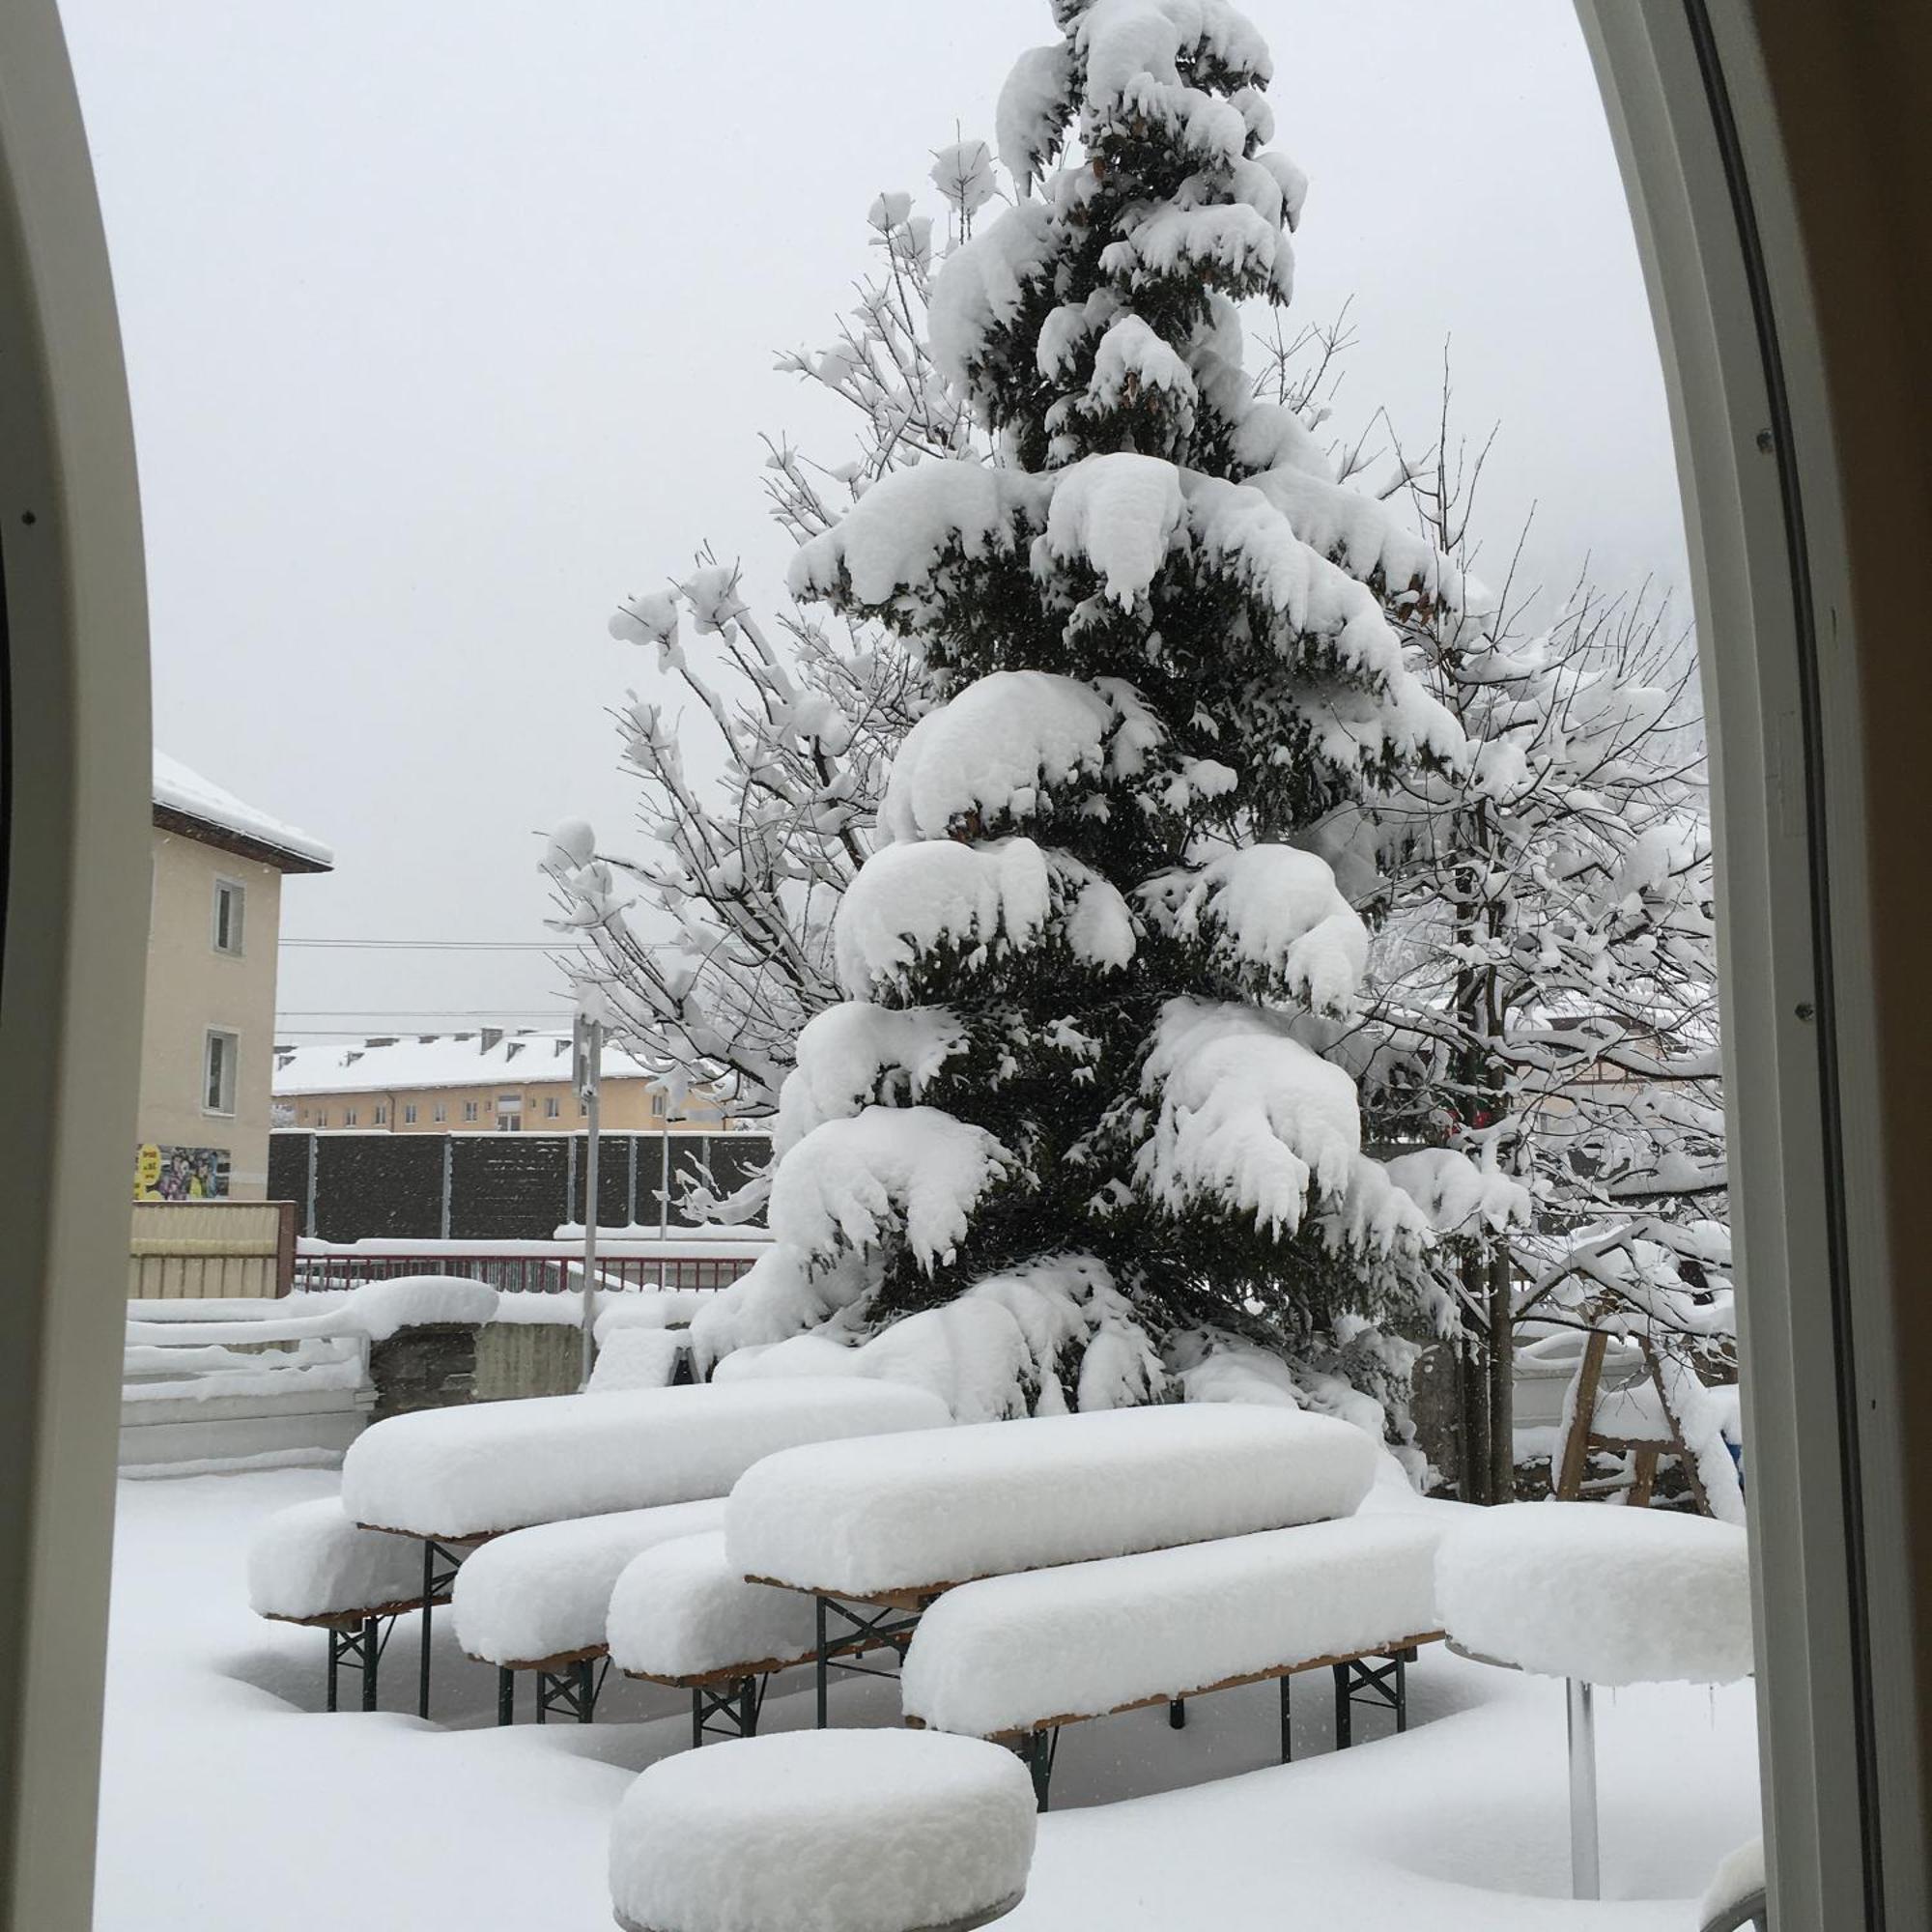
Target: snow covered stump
x=1596, y=1594
x=825, y=1832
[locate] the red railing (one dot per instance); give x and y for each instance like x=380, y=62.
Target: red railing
x=542, y=1271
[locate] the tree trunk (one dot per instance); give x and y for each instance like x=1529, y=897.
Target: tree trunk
x=1501, y=1349
x=1474, y=1477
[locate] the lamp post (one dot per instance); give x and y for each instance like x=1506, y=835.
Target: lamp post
x=586, y=1066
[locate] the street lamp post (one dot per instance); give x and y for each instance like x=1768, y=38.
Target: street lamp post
x=588, y=1060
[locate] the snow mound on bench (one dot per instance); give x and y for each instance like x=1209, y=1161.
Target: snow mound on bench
x=311, y=1560
x=824, y=1831
x=1087, y=1639
x=1609, y=1594
x=681, y=1610
x=476, y=1471
x=637, y=1357
x=378, y=1309
x=989, y=1497
x=543, y=1593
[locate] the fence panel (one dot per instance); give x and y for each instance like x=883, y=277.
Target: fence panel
x=179, y=1250
x=507, y=1187
x=502, y=1188
x=380, y=1186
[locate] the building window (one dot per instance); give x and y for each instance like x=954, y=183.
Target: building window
x=442, y=1112
x=382, y=1114
x=409, y=1113
x=470, y=1110
x=509, y=1124
x=348, y=1117
x=582, y=1109
x=219, y=1052
x=552, y=1108
x=228, y=907
x=657, y=1106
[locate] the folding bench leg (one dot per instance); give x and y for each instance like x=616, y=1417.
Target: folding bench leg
x=1177, y=1714
x=823, y=1666
x=360, y=1649
x=729, y=1710
x=1343, y=1735
x=1286, y=1732
x=1036, y=1751
x=506, y=1696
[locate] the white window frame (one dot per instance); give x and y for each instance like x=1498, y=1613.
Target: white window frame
x=409, y=1113
x=440, y=1113
x=230, y=1080
x=225, y=885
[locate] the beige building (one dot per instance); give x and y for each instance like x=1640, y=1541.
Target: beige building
x=208, y=1048
x=485, y=1082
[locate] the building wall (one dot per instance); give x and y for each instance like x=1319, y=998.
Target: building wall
x=627, y=1106
x=192, y=987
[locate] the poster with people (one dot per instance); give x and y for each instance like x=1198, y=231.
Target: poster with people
x=180, y=1173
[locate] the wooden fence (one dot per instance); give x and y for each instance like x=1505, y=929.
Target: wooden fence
x=178, y=1250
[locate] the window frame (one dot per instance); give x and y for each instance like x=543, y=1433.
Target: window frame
x=235, y=891
x=231, y=1074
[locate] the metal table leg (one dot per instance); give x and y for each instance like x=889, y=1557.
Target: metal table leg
x=1585, y=1881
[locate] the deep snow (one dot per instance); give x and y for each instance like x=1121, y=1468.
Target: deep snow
x=232, y=1804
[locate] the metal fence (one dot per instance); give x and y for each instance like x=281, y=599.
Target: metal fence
x=486, y=1187
x=547, y=1270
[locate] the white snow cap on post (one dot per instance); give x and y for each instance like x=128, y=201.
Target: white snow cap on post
x=1603, y=1594
x=824, y=1831
x=476, y=1471
x=378, y=1309
x=998, y=1496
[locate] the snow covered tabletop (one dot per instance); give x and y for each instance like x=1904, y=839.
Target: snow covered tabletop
x=458, y=1473
x=1001, y=1656
x=824, y=1831
x=1599, y=1593
x=680, y=1612
x=539, y=1595
x=310, y=1563
x=991, y=1498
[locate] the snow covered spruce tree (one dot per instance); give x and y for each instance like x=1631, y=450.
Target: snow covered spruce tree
x=711, y=948
x=1068, y=1121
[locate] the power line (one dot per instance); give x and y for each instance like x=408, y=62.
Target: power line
x=434, y=944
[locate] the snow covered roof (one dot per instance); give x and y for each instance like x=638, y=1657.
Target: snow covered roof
x=444, y=1060
x=184, y=794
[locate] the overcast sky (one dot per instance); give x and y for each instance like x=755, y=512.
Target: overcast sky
x=449, y=321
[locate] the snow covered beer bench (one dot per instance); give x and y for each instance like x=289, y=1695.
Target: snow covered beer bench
x=1597, y=1594
x=536, y=1599
x=454, y=1475
x=452, y=1478
x=876, y=1539
x=825, y=1832
x=1014, y=1659
x=682, y=1615
x=310, y=1564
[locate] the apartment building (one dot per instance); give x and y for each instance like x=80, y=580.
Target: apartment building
x=208, y=1044
x=489, y=1081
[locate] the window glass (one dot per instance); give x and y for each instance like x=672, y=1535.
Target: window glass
x=219, y=1052
x=229, y=901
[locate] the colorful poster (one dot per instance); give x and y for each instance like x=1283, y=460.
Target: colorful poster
x=180, y=1173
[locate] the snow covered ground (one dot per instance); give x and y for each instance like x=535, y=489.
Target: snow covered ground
x=231, y=1802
